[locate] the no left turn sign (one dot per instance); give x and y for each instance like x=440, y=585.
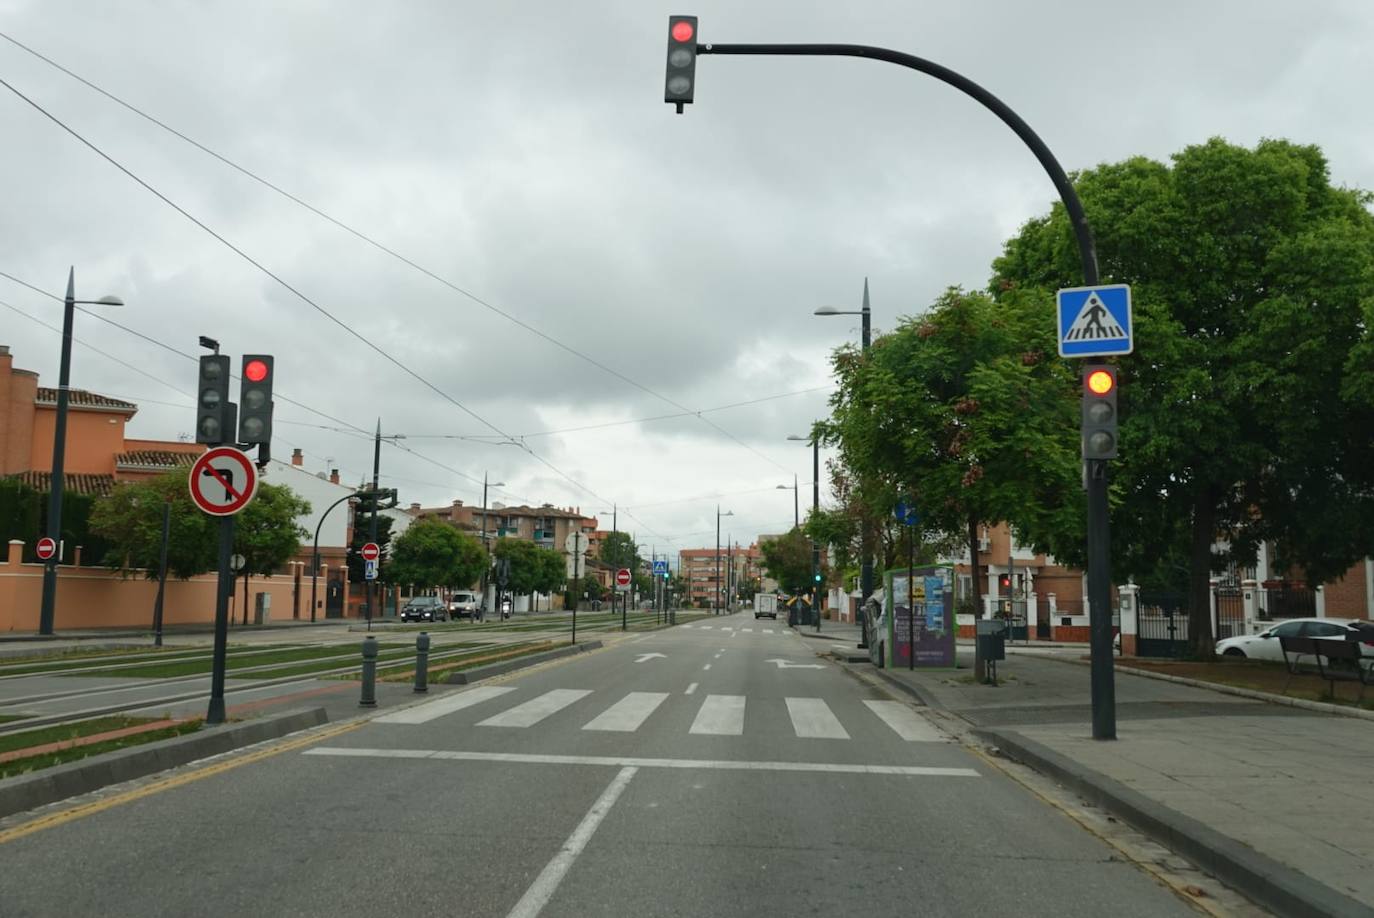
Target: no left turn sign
x=223, y=481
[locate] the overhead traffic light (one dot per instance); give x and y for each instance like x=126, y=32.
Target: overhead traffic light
x=680, y=82
x=1099, y=412
x=255, y=399
x=215, y=414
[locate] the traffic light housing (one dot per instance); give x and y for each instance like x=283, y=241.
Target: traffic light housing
x=1099, y=412
x=255, y=399
x=1004, y=582
x=680, y=81
x=215, y=414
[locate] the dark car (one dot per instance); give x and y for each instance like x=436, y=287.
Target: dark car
x=424, y=609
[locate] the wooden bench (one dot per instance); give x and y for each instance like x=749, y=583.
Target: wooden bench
x=1336, y=660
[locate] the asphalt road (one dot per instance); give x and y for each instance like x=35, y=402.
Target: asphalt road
x=735, y=774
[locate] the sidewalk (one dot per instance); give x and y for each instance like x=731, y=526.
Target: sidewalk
x=1277, y=801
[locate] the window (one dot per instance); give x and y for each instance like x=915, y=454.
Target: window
x=1325, y=629
x=1288, y=629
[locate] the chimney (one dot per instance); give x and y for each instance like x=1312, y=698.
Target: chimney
x=297, y=457
x=334, y=476
x=414, y=508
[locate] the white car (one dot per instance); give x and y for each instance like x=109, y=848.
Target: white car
x=1265, y=645
x=464, y=604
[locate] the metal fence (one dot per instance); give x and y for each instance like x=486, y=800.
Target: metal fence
x=1230, y=612
x=1162, y=621
x=1286, y=602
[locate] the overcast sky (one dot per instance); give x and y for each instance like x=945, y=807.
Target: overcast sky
x=520, y=151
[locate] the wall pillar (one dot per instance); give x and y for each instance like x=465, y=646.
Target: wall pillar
x=1321, y=601
x=1369, y=588
x=1249, y=598
x=1130, y=608
x=1212, y=584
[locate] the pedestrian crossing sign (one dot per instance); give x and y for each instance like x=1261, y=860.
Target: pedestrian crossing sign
x=1095, y=321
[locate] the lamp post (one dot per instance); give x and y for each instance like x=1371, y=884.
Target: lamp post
x=796, y=514
x=59, y=449
x=615, y=529
x=495, y=484
x=715, y=602
x=815, y=510
x=866, y=533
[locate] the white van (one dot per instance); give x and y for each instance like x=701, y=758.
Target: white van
x=464, y=604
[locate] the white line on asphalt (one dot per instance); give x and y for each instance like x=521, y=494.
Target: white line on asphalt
x=767, y=630
x=813, y=719
x=909, y=725
x=750, y=630
x=536, y=709
x=424, y=713
x=691, y=688
x=707, y=666
x=625, y=761
x=717, y=656
x=627, y=714
x=720, y=715
x=543, y=887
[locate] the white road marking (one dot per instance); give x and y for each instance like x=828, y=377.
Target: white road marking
x=544, y=885
x=627, y=714
x=424, y=713
x=720, y=715
x=750, y=630
x=813, y=719
x=706, y=667
x=726, y=628
x=649, y=656
x=630, y=761
x=909, y=725
x=536, y=709
x=767, y=630
x=691, y=688
x=717, y=656
x=704, y=627
x=784, y=664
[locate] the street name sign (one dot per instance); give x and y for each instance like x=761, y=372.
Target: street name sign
x=223, y=481
x=45, y=548
x=1095, y=321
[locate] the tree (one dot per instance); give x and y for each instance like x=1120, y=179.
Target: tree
x=1246, y=408
x=787, y=559
x=431, y=553
x=130, y=518
x=266, y=533
x=362, y=526
x=746, y=588
x=533, y=568
x=961, y=413
x=619, y=550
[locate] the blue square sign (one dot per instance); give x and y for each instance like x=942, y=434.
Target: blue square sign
x=661, y=567
x=1095, y=321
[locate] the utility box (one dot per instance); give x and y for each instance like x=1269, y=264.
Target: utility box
x=262, y=608
x=992, y=639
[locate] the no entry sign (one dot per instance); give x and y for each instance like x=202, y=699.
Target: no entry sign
x=45, y=548
x=622, y=578
x=223, y=481
x=371, y=551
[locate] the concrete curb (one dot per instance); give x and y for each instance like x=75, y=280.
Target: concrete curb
x=1320, y=707
x=48, y=785
x=478, y=673
x=1272, y=884
x=913, y=690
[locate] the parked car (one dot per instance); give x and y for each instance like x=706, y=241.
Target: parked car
x=424, y=609
x=464, y=604
x=1265, y=645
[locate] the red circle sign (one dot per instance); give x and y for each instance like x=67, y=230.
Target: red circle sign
x=223, y=481
x=45, y=548
x=371, y=551
x=622, y=577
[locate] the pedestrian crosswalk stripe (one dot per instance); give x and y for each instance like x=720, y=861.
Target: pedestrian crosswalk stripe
x=720, y=715
x=907, y=724
x=750, y=630
x=423, y=713
x=536, y=709
x=767, y=630
x=813, y=719
x=627, y=714
x=704, y=627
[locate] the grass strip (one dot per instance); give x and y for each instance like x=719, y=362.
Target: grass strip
x=43, y=735
x=58, y=757
x=130, y=660
x=1257, y=675
x=6, y=718
x=328, y=657
x=464, y=661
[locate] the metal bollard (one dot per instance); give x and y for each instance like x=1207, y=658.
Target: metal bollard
x=369, y=699
x=422, y=663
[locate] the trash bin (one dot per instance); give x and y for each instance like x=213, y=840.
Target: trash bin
x=262, y=608
x=992, y=639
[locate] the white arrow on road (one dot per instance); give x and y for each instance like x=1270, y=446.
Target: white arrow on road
x=649, y=656
x=783, y=664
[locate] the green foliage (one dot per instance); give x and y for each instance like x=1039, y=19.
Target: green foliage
x=533, y=568
x=431, y=553
x=362, y=528
x=619, y=550
x=266, y=532
x=1247, y=413
x=130, y=519
x=787, y=559
x=24, y=516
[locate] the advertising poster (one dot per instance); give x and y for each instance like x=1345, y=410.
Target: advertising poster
x=921, y=624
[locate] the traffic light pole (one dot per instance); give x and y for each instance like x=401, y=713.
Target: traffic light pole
x=372, y=530
x=1099, y=553
x=223, y=587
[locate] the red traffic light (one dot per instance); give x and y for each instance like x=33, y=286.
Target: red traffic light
x=1101, y=382
x=683, y=31
x=255, y=370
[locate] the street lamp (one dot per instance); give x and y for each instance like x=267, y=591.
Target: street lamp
x=494, y=484
x=796, y=514
x=615, y=528
x=815, y=510
x=59, y=449
x=866, y=537
x=715, y=601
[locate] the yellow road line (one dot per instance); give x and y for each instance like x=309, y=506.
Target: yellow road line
x=96, y=806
